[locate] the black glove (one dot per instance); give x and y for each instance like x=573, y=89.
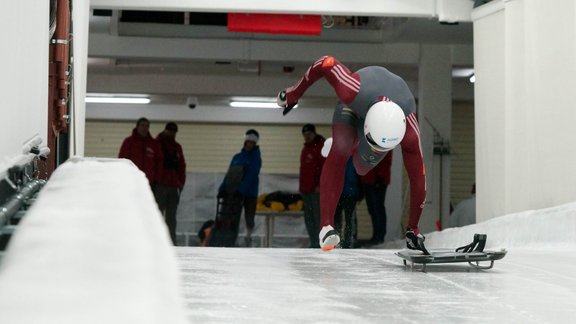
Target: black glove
x=281, y=101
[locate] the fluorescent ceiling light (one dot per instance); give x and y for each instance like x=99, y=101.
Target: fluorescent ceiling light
x=255, y=104
x=462, y=72
x=117, y=98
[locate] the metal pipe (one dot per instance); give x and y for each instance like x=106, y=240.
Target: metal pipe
x=13, y=205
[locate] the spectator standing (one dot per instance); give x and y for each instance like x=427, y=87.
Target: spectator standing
x=239, y=188
x=311, y=163
x=172, y=178
x=143, y=150
x=374, y=184
x=351, y=193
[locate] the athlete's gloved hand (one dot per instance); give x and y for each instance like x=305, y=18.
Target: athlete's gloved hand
x=282, y=101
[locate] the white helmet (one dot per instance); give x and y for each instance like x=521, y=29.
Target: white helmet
x=384, y=126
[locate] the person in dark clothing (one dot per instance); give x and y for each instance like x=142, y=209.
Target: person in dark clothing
x=375, y=113
x=172, y=178
x=311, y=163
x=374, y=184
x=351, y=193
x=143, y=150
x=240, y=185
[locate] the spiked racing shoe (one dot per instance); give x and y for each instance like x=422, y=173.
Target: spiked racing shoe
x=329, y=238
x=415, y=241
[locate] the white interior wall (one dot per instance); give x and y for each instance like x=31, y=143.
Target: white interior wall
x=549, y=64
x=525, y=58
x=24, y=82
x=490, y=121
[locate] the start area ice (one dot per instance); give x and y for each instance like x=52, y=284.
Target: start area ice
x=224, y=285
x=94, y=249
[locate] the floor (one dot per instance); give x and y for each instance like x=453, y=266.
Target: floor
x=224, y=285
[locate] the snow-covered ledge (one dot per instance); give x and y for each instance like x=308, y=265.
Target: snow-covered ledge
x=543, y=229
x=92, y=249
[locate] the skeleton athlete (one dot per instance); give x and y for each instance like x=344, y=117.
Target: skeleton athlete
x=375, y=113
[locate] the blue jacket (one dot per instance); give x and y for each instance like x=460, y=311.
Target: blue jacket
x=251, y=163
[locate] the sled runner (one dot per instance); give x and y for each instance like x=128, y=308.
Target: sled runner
x=472, y=253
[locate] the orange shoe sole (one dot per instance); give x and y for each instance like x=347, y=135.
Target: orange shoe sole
x=328, y=247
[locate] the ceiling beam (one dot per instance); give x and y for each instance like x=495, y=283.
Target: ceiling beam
x=445, y=10
x=104, y=45
x=199, y=84
x=405, y=8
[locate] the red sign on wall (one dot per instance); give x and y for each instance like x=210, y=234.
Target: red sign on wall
x=275, y=23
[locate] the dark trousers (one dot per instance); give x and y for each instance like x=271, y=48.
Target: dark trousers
x=250, y=211
x=312, y=217
x=375, y=197
x=348, y=228
x=167, y=199
x=228, y=212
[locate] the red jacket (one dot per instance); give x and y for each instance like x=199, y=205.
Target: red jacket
x=144, y=152
x=311, y=162
x=380, y=173
x=174, y=166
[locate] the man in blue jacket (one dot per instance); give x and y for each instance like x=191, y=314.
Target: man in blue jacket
x=240, y=185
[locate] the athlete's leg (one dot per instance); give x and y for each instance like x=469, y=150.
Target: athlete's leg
x=333, y=172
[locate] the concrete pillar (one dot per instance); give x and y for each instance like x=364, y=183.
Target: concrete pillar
x=435, y=116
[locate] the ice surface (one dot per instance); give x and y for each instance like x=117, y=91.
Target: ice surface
x=534, y=283
x=92, y=252
x=92, y=249
x=224, y=285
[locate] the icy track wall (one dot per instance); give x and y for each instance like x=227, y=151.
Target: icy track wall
x=92, y=249
x=544, y=229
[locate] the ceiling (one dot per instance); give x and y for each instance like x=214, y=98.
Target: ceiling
x=174, y=55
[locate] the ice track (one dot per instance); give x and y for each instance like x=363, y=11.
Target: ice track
x=94, y=249
x=372, y=286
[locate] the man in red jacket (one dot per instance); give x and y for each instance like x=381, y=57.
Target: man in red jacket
x=143, y=150
x=172, y=178
x=311, y=162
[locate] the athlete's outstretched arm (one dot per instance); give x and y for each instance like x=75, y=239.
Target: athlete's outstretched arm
x=414, y=164
x=345, y=83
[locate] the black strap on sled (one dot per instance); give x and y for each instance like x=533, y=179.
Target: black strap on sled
x=476, y=246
